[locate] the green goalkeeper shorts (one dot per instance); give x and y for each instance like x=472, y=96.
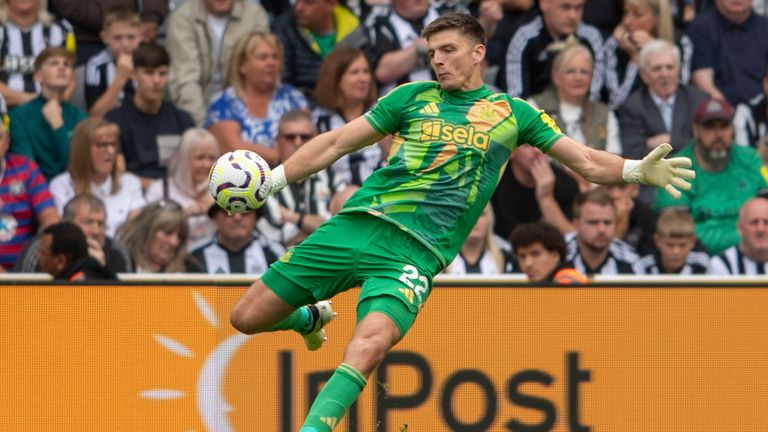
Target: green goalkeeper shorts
x=358, y=249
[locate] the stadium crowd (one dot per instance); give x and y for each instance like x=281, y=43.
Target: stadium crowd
x=114, y=110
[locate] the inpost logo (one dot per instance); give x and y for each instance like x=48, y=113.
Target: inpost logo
x=465, y=135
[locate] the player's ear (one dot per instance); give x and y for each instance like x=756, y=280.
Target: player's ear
x=478, y=53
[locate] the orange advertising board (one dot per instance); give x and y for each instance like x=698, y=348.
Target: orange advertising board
x=164, y=358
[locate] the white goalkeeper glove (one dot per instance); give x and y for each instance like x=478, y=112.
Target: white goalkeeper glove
x=279, y=181
x=670, y=174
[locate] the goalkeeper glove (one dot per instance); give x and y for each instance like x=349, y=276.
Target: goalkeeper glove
x=279, y=181
x=670, y=174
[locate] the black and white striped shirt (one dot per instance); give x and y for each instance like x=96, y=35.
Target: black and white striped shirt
x=255, y=258
x=621, y=259
x=529, y=62
x=19, y=47
x=695, y=263
x=99, y=74
x=732, y=261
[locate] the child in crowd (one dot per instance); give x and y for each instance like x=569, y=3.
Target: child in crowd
x=675, y=239
x=108, y=73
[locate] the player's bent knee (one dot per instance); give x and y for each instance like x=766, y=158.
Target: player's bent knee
x=366, y=352
x=241, y=322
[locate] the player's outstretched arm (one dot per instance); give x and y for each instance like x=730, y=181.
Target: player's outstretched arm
x=323, y=150
x=603, y=167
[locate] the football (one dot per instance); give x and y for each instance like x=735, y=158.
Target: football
x=240, y=181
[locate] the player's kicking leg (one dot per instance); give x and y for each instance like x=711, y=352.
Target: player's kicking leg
x=261, y=310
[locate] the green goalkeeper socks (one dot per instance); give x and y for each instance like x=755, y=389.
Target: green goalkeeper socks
x=302, y=320
x=338, y=394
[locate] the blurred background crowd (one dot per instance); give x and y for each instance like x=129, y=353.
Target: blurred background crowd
x=114, y=111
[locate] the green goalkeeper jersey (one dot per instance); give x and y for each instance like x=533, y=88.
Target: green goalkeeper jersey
x=447, y=155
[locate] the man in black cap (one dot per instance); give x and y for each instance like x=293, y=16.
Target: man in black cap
x=727, y=175
x=236, y=247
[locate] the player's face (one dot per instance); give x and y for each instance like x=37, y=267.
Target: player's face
x=536, y=261
x=236, y=228
x=596, y=226
x=164, y=245
x=661, y=72
x=455, y=59
x=639, y=17
x=122, y=38
x=753, y=227
x=713, y=141
x=574, y=77
x=92, y=222
x=262, y=66
x=293, y=135
x=201, y=159
x=562, y=16
x=219, y=7
x=674, y=250
x=104, y=143
x=151, y=82
x=355, y=83
x=56, y=73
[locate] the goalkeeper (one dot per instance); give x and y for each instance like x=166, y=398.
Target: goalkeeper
x=451, y=139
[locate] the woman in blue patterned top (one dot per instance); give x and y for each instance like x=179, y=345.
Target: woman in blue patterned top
x=246, y=113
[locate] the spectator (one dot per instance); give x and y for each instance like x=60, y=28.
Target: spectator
x=147, y=118
x=63, y=254
x=532, y=189
x=479, y=254
x=398, y=51
x=88, y=17
x=299, y=209
x=751, y=123
x=594, y=248
x=109, y=73
x=730, y=55
x=675, y=239
x=236, y=247
x=43, y=126
x=27, y=29
x=245, y=115
x=345, y=90
x=661, y=111
x=25, y=202
x=568, y=103
x=93, y=168
x=201, y=38
x=643, y=22
x=726, y=177
x=539, y=251
x=530, y=52
x=187, y=181
x=156, y=239
x=635, y=220
x=750, y=255
x=86, y=211
x=309, y=32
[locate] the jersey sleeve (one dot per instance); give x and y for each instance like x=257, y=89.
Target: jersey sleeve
x=535, y=127
x=385, y=116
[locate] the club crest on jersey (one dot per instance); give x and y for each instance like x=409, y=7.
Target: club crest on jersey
x=549, y=121
x=465, y=135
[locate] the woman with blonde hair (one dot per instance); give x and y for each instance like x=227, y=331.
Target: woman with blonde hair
x=346, y=89
x=643, y=21
x=187, y=181
x=245, y=115
x=156, y=239
x=480, y=253
x=93, y=156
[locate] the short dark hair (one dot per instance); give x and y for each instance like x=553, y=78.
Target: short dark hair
x=68, y=240
x=151, y=56
x=464, y=23
x=538, y=232
x=55, y=51
x=597, y=196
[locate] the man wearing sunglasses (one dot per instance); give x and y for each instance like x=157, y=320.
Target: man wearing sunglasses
x=301, y=208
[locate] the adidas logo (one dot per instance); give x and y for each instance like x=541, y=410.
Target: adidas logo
x=408, y=294
x=330, y=421
x=431, y=109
